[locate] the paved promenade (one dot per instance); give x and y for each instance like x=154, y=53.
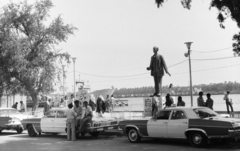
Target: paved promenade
x=10, y=141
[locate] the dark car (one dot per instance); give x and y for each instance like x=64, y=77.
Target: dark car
x=195, y=124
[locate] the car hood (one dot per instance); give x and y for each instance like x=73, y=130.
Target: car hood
x=21, y=116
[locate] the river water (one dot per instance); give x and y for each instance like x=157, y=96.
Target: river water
x=136, y=104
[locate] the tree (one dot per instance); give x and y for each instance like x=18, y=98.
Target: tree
x=27, y=40
x=226, y=8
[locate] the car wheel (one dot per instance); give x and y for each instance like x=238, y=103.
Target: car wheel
x=83, y=134
x=77, y=135
x=19, y=130
x=95, y=134
x=31, y=131
x=0, y=131
x=133, y=136
x=197, y=139
x=54, y=134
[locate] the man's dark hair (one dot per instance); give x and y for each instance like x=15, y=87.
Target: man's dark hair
x=85, y=102
x=200, y=93
x=70, y=105
x=208, y=94
x=76, y=101
x=228, y=92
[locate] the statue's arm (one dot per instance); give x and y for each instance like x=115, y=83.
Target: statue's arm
x=164, y=65
x=150, y=67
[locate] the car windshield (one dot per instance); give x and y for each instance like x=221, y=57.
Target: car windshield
x=205, y=112
x=14, y=111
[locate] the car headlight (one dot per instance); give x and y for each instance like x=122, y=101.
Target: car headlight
x=235, y=124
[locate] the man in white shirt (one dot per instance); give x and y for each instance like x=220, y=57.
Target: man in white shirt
x=22, y=107
x=87, y=117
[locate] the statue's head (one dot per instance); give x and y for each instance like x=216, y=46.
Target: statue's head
x=155, y=49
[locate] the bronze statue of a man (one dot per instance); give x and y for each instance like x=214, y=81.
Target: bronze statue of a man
x=157, y=67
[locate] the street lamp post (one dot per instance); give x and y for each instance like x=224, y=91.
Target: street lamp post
x=63, y=80
x=188, y=44
x=74, y=59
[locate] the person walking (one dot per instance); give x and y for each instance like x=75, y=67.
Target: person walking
x=71, y=114
x=112, y=103
x=209, y=101
x=228, y=100
x=15, y=105
x=87, y=117
x=180, y=101
x=200, y=100
x=100, y=103
x=22, y=107
x=157, y=67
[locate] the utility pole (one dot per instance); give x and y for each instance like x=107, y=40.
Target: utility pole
x=63, y=80
x=74, y=82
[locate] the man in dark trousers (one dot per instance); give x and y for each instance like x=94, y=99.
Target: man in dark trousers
x=157, y=67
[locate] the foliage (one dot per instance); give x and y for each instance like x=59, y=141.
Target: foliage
x=226, y=8
x=27, y=53
x=216, y=88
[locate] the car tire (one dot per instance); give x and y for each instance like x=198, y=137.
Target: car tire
x=77, y=135
x=19, y=130
x=95, y=134
x=197, y=139
x=133, y=136
x=0, y=131
x=83, y=134
x=31, y=131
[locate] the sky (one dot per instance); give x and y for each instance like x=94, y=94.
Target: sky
x=115, y=39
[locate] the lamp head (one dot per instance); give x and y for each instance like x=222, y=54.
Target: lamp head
x=188, y=45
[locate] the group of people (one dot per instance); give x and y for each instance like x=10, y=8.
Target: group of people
x=22, y=106
x=79, y=113
x=77, y=116
x=201, y=102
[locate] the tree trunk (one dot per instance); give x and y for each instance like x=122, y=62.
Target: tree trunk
x=35, y=102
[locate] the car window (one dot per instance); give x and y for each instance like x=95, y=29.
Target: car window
x=178, y=115
x=51, y=114
x=205, y=112
x=61, y=114
x=163, y=115
x=4, y=113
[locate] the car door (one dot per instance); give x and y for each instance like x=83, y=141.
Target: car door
x=47, y=122
x=157, y=127
x=60, y=122
x=177, y=124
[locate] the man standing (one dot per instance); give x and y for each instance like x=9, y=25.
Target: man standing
x=209, y=101
x=47, y=106
x=22, y=107
x=200, y=100
x=157, y=67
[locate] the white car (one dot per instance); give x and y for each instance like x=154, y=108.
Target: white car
x=54, y=122
x=10, y=119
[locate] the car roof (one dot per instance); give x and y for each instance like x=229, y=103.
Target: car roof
x=58, y=109
x=2, y=108
x=189, y=110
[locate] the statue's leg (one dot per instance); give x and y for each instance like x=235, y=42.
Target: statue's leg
x=156, y=85
x=160, y=84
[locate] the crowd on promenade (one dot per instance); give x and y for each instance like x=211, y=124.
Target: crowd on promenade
x=169, y=101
